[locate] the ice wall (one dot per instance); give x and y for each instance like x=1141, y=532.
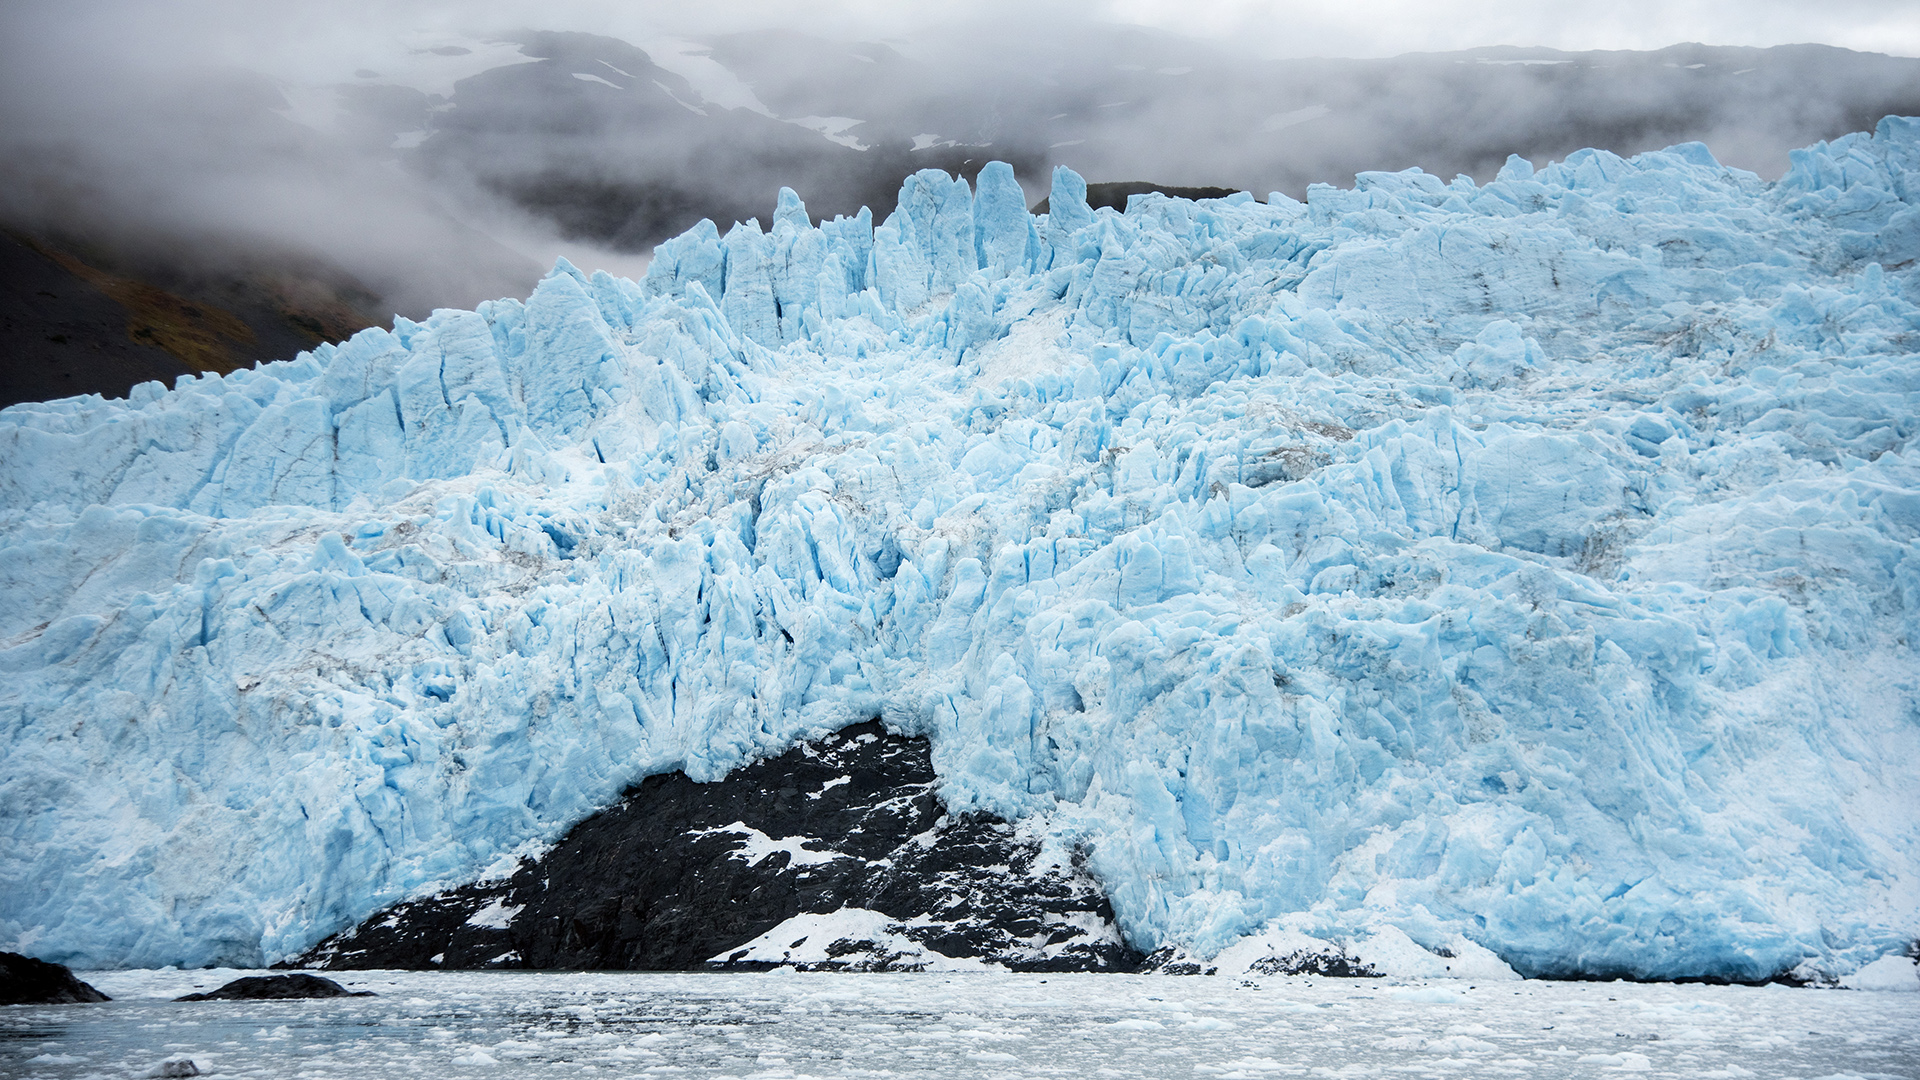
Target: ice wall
x=1533, y=564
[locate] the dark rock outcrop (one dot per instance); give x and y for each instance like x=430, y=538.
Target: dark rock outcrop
x=26, y=981
x=82, y=318
x=844, y=836
x=1115, y=194
x=276, y=987
x=1330, y=960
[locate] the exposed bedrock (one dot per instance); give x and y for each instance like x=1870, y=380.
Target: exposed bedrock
x=277, y=988
x=836, y=854
x=26, y=981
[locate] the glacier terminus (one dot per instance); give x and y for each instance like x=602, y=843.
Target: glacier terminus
x=1523, y=576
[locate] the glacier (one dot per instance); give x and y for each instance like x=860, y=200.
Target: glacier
x=1526, y=568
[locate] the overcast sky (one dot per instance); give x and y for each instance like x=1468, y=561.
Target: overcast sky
x=1389, y=27
x=1352, y=28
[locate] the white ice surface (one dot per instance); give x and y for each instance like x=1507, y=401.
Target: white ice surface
x=529, y=1026
x=1899, y=974
x=1534, y=564
x=1388, y=949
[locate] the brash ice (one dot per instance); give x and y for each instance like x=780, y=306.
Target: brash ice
x=1530, y=567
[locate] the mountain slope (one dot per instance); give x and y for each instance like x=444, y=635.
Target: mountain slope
x=424, y=176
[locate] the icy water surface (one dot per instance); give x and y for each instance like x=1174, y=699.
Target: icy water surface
x=461, y=1024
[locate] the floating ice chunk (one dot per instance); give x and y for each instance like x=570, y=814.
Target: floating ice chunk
x=1391, y=952
x=1897, y=973
x=1426, y=995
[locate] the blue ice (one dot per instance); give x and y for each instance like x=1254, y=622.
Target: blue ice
x=1531, y=565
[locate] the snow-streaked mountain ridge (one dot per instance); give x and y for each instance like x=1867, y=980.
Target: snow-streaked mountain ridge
x=1532, y=564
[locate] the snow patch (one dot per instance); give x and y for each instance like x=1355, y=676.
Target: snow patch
x=497, y=915
x=833, y=128
x=757, y=846
x=850, y=937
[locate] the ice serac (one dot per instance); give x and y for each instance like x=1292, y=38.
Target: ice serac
x=1526, y=572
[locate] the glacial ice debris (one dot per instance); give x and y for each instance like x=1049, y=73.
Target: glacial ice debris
x=1530, y=564
x=1900, y=974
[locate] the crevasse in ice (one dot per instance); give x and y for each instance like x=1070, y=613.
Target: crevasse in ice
x=1530, y=567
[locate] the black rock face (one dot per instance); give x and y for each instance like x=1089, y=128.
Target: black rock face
x=26, y=981
x=1329, y=960
x=1115, y=195
x=277, y=987
x=845, y=837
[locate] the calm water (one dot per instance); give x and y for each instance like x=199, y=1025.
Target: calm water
x=458, y=1024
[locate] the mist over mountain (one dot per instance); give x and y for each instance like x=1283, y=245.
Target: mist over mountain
x=1004, y=486
x=456, y=167
x=596, y=137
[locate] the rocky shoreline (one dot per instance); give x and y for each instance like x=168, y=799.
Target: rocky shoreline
x=26, y=981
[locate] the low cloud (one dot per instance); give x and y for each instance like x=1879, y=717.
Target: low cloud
x=343, y=134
